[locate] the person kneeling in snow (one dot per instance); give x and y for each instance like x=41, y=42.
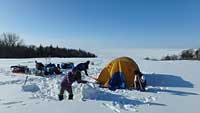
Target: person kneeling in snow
x=71, y=77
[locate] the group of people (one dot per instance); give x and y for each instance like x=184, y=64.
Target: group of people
x=48, y=69
x=69, y=79
x=75, y=76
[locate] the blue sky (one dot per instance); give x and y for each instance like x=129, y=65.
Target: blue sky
x=104, y=23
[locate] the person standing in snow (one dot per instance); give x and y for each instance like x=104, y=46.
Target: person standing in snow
x=71, y=77
x=139, y=81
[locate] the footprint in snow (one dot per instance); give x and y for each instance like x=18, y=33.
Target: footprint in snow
x=24, y=104
x=112, y=108
x=10, y=103
x=8, y=106
x=37, y=103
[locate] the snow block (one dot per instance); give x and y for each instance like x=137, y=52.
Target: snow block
x=30, y=88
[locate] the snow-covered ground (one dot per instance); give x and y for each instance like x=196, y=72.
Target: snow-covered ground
x=173, y=86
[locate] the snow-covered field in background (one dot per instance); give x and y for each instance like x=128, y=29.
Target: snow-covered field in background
x=173, y=86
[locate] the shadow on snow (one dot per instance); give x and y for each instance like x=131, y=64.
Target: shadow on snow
x=165, y=80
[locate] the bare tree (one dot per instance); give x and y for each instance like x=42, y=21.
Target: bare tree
x=188, y=54
x=197, y=54
x=11, y=39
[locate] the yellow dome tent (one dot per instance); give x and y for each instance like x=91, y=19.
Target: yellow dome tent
x=124, y=67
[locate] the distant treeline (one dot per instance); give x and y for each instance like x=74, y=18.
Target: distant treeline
x=11, y=46
x=189, y=54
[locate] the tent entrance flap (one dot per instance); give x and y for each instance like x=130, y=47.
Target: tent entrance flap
x=117, y=81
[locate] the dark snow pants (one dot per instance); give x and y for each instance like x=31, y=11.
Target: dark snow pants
x=67, y=88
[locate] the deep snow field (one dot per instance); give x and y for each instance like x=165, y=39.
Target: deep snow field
x=173, y=86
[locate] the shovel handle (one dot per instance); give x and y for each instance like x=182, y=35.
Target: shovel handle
x=93, y=78
x=25, y=80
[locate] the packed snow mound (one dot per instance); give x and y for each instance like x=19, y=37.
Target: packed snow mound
x=127, y=100
x=92, y=93
x=48, y=88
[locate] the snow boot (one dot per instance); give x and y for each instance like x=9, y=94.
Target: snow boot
x=60, y=97
x=70, y=97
